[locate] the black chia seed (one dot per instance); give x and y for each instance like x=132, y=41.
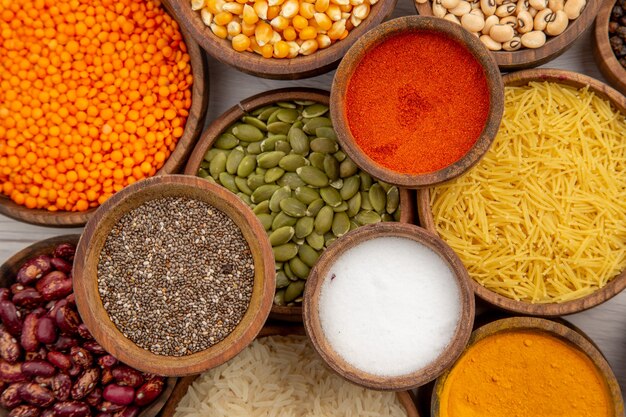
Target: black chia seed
x=175, y=276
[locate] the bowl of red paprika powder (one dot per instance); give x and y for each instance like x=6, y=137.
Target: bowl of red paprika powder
x=417, y=101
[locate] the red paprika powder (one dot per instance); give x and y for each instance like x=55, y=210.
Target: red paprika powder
x=417, y=102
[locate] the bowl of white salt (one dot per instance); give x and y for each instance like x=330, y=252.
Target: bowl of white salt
x=389, y=306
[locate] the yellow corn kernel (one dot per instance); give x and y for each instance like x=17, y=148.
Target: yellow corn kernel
x=219, y=31
x=275, y=2
x=272, y=12
x=346, y=9
x=356, y=2
x=275, y=38
x=206, y=16
x=299, y=22
x=344, y=34
x=240, y=42
x=289, y=34
x=307, y=10
x=313, y=24
x=197, y=4
x=337, y=30
x=279, y=23
x=334, y=12
x=294, y=48
x=340, y=2
x=323, y=41
x=323, y=21
x=233, y=28
x=373, y=2
x=345, y=15
x=247, y=29
x=308, y=33
x=267, y=51
x=234, y=8
x=308, y=47
x=248, y=15
x=260, y=7
x=215, y=6
x=263, y=33
x=290, y=9
x=242, y=2
x=361, y=11
x=321, y=5
x=254, y=46
x=281, y=49
x=223, y=18
x=355, y=20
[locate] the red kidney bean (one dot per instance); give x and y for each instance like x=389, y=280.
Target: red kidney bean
x=103, y=414
x=36, y=394
x=28, y=339
x=85, y=383
x=109, y=407
x=11, y=372
x=10, y=317
x=149, y=391
x=48, y=412
x=75, y=370
x=84, y=332
x=71, y=300
x=125, y=375
x=131, y=411
x=17, y=288
x=46, y=331
x=38, y=367
x=45, y=381
x=54, y=285
x=38, y=354
x=62, y=386
x=61, y=264
x=107, y=361
x=65, y=251
x=10, y=397
x=81, y=357
x=34, y=269
x=119, y=394
x=95, y=397
x=67, y=319
x=28, y=298
x=55, y=306
x=71, y=409
x=4, y=294
x=24, y=411
x=63, y=343
x=60, y=360
x=10, y=350
x=107, y=376
x=93, y=347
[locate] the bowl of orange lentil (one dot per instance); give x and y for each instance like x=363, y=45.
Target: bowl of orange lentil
x=94, y=96
x=280, y=39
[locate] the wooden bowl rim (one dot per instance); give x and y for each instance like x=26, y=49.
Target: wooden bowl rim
x=375, y=37
x=233, y=114
x=191, y=133
x=12, y=265
x=271, y=329
x=527, y=58
x=612, y=288
x=576, y=339
x=317, y=63
x=605, y=57
x=104, y=330
x=411, y=380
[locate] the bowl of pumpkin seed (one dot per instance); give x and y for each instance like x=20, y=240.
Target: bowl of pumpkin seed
x=278, y=152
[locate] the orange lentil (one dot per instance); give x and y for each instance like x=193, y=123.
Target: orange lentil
x=94, y=96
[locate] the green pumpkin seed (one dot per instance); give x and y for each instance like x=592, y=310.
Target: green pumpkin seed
x=336, y=184
x=354, y=205
x=331, y=196
x=326, y=132
x=266, y=220
x=331, y=167
x=248, y=133
x=316, y=241
x=347, y=168
x=278, y=196
x=294, y=290
x=228, y=181
x=234, y=159
x=304, y=102
x=314, y=207
x=312, y=176
x=308, y=255
x=386, y=217
x=279, y=298
x=299, y=268
x=269, y=144
x=269, y=159
x=367, y=217
x=378, y=198
x=288, y=115
x=226, y=141
x=281, y=235
x=298, y=140
x=324, y=145
x=265, y=114
x=259, y=110
x=292, y=162
x=255, y=181
x=245, y=198
x=339, y=155
x=205, y=165
x=307, y=195
x=210, y=154
x=262, y=208
x=397, y=215
x=218, y=165
x=365, y=201
x=203, y=173
x=285, y=252
x=312, y=124
x=350, y=187
x=366, y=181
x=314, y=110
x=242, y=185
x=297, y=124
x=253, y=121
x=385, y=186
x=264, y=192
x=260, y=171
x=281, y=128
x=324, y=220
x=393, y=199
x=286, y=104
x=341, y=207
x=341, y=224
x=273, y=117
x=246, y=166
x=283, y=146
x=293, y=207
x=282, y=219
x=291, y=180
x=281, y=280
x=254, y=148
x=290, y=275
x=273, y=174
x=317, y=160
x=304, y=227
x=329, y=239
x=354, y=225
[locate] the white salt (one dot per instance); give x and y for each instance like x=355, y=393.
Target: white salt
x=389, y=306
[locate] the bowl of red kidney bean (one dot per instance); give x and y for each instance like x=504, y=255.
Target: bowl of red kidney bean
x=50, y=365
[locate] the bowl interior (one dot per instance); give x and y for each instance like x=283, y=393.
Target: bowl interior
x=374, y=38
x=316, y=334
x=91, y=244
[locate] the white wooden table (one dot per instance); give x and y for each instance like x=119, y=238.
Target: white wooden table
x=605, y=324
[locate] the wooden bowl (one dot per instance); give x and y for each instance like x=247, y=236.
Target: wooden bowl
x=578, y=339
x=554, y=46
x=193, y=128
x=8, y=271
x=313, y=325
x=523, y=307
x=270, y=329
x=374, y=38
x=86, y=283
x=605, y=58
x=320, y=62
x=210, y=135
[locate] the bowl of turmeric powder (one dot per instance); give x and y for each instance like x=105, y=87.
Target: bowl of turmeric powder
x=113, y=94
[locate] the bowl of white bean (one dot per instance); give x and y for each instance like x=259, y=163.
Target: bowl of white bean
x=520, y=33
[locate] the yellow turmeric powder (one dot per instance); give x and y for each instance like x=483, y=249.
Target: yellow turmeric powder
x=522, y=374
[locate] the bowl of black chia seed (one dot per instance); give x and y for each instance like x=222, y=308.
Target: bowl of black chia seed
x=174, y=275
